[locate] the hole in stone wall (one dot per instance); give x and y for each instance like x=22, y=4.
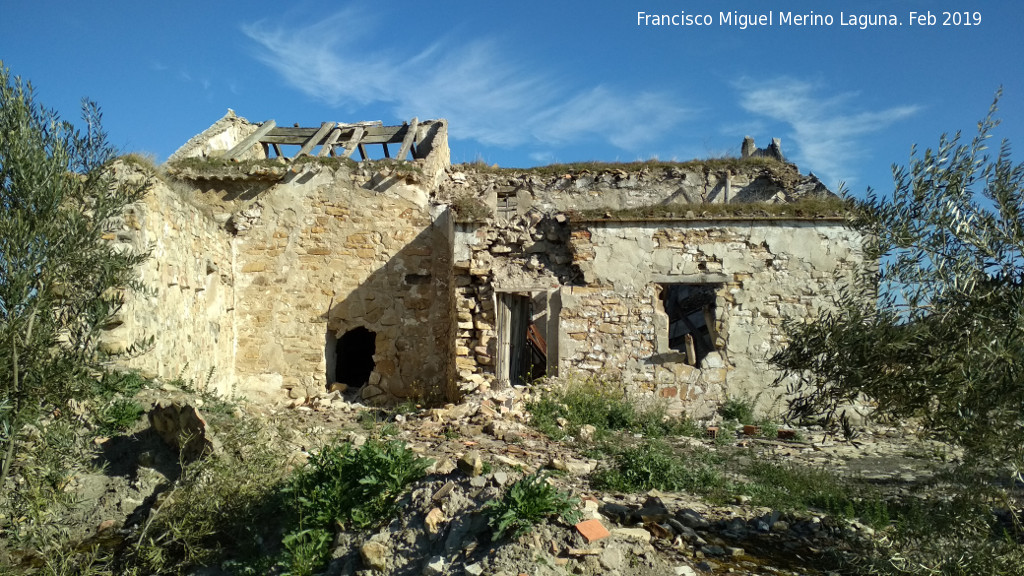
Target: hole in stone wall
x=691, y=317
x=353, y=357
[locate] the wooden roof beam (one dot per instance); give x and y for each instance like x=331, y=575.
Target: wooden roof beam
x=253, y=139
x=372, y=135
x=318, y=137
x=353, y=141
x=332, y=139
x=409, y=138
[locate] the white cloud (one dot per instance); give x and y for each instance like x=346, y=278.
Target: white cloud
x=825, y=129
x=485, y=96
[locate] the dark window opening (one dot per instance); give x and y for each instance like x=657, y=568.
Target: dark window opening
x=353, y=355
x=691, y=318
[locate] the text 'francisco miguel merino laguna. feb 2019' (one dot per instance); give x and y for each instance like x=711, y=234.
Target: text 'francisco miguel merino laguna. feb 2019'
x=862, y=21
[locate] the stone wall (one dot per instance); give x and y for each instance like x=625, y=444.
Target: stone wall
x=260, y=268
x=292, y=276
x=762, y=273
x=525, y=255
x=596, y=288
x=189, y=299
x=509, y=192
x=328, y=252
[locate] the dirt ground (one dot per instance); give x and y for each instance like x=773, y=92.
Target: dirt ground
x=440, y=529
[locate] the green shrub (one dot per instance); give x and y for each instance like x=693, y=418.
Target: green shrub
x=306, y=551
x=111, y=407
x=737, y=409
x=654, y=465
x=604, y=405
x=528, y=502
x=353, y=487
x=117, y=416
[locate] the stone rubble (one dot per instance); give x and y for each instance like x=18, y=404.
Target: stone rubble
x=442, y=530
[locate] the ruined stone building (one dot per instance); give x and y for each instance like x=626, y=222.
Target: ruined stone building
x=289, y=259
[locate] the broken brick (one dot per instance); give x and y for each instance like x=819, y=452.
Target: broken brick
x=592, y=530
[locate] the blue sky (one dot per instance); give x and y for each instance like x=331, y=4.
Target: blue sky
x=527, y=83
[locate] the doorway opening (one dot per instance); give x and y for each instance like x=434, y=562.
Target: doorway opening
x=350, y=357
x=522, y=347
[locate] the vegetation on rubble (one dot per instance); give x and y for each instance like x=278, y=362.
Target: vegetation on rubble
x=655, y=465
x=353, y=487
x=145, y=163
x=468, y=208
x=217, y=508
x=958, y=522
x=601, y=402
x=344, y=487
x=35, y=513
x=242, y=509
x=528, y=502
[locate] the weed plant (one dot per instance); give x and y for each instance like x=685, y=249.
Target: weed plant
x=528, y=502
x=790, y=487
x=112, y=407
x=214, y=403
x=603, y=404
x=654, y=465
x=468, y=208
x=737, y=409
x=344, y=487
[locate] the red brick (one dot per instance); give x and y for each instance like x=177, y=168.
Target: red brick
x=592, y=530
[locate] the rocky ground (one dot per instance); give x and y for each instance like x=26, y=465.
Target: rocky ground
x=482, y=445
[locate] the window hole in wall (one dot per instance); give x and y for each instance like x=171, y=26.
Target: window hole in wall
x=691, y=319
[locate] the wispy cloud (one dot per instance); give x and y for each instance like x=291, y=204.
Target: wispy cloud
x=487, y=96
x=826, y=130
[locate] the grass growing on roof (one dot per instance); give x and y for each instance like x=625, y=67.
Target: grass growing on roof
x=808, y=207
x=578, y=168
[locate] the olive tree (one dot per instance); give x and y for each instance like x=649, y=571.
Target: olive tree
x=60, y=279
x=936, y=331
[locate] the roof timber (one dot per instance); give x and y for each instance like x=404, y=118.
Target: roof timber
x=330, y=136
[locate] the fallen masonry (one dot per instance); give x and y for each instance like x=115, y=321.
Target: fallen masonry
x=442, y=528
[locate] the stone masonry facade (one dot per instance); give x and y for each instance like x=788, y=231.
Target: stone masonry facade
x=396, y=279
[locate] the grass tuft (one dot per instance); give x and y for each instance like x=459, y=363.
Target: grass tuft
x=654, y=465
x=808, y=207
x=603, y=404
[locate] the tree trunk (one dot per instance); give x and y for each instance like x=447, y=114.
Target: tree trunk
x=15, y=400
x=12, y=429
